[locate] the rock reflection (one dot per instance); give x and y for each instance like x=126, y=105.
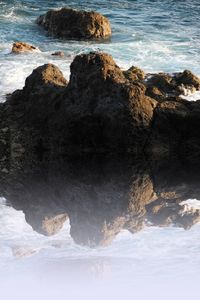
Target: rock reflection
x=101, y=198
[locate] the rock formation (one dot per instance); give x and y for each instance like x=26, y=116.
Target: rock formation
x=21, y=47
x=102, y=110
x=75, y=24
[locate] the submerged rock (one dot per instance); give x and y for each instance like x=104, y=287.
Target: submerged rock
x=21, y=47
x=75, y=24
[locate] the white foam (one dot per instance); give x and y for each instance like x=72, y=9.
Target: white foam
x=192, y=97
x=191, y=204
x=16, y=68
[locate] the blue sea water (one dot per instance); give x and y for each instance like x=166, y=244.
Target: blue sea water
x=152, y=34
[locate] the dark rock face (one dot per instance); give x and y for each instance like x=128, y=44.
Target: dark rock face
x=161, y=86
x=102, y=110
x=21, y=47
x=106, y=106
x=74, y=24
x=99, y=111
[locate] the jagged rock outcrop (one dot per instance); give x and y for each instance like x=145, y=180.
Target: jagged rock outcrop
x=103, y=110
x=75, y=24
x=163, y=86
x=99, y=110
x=21, y=47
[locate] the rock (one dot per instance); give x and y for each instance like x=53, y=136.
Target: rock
x=101, y=110
x=58, y=53
x=53, y=225
x=161, y=86
x=166, y=213
x=134, y=74
x=188, y=79
x=21, y=47
x=169, y=125
x=75, y=24
x=102, y=96
x=47, y=75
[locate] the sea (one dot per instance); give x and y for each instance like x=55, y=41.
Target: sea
x=156, y=262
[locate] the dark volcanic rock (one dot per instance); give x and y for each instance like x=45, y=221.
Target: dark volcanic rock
x=74, y=24
x=161, y=86
x=98, y=111
x=102, y=110
x=134, y=74
x=109, y=112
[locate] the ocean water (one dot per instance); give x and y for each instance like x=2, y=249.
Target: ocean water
x=154, y=263
x=154, y=35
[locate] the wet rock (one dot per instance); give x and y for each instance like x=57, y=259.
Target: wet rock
x=58, y=53
x=102, y=110
x=161, y=86
x=45, y=76
x=99, y=111
x=134, y=74
x=188, y=80
x=166, y=213
x=75, y=24
x=53, y=225
x=21, y=47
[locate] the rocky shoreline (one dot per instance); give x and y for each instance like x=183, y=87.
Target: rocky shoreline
x=102, y=109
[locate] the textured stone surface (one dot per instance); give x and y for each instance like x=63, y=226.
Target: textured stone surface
x=102, y=110
x=21, y=47
x=75, y=24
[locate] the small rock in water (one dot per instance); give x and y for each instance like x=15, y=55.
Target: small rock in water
x=58, y=53
x=21, y=47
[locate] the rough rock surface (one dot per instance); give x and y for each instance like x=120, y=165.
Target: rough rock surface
x=102, y=110
x=161, y=86
x=21, y=47
x=75, y=24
